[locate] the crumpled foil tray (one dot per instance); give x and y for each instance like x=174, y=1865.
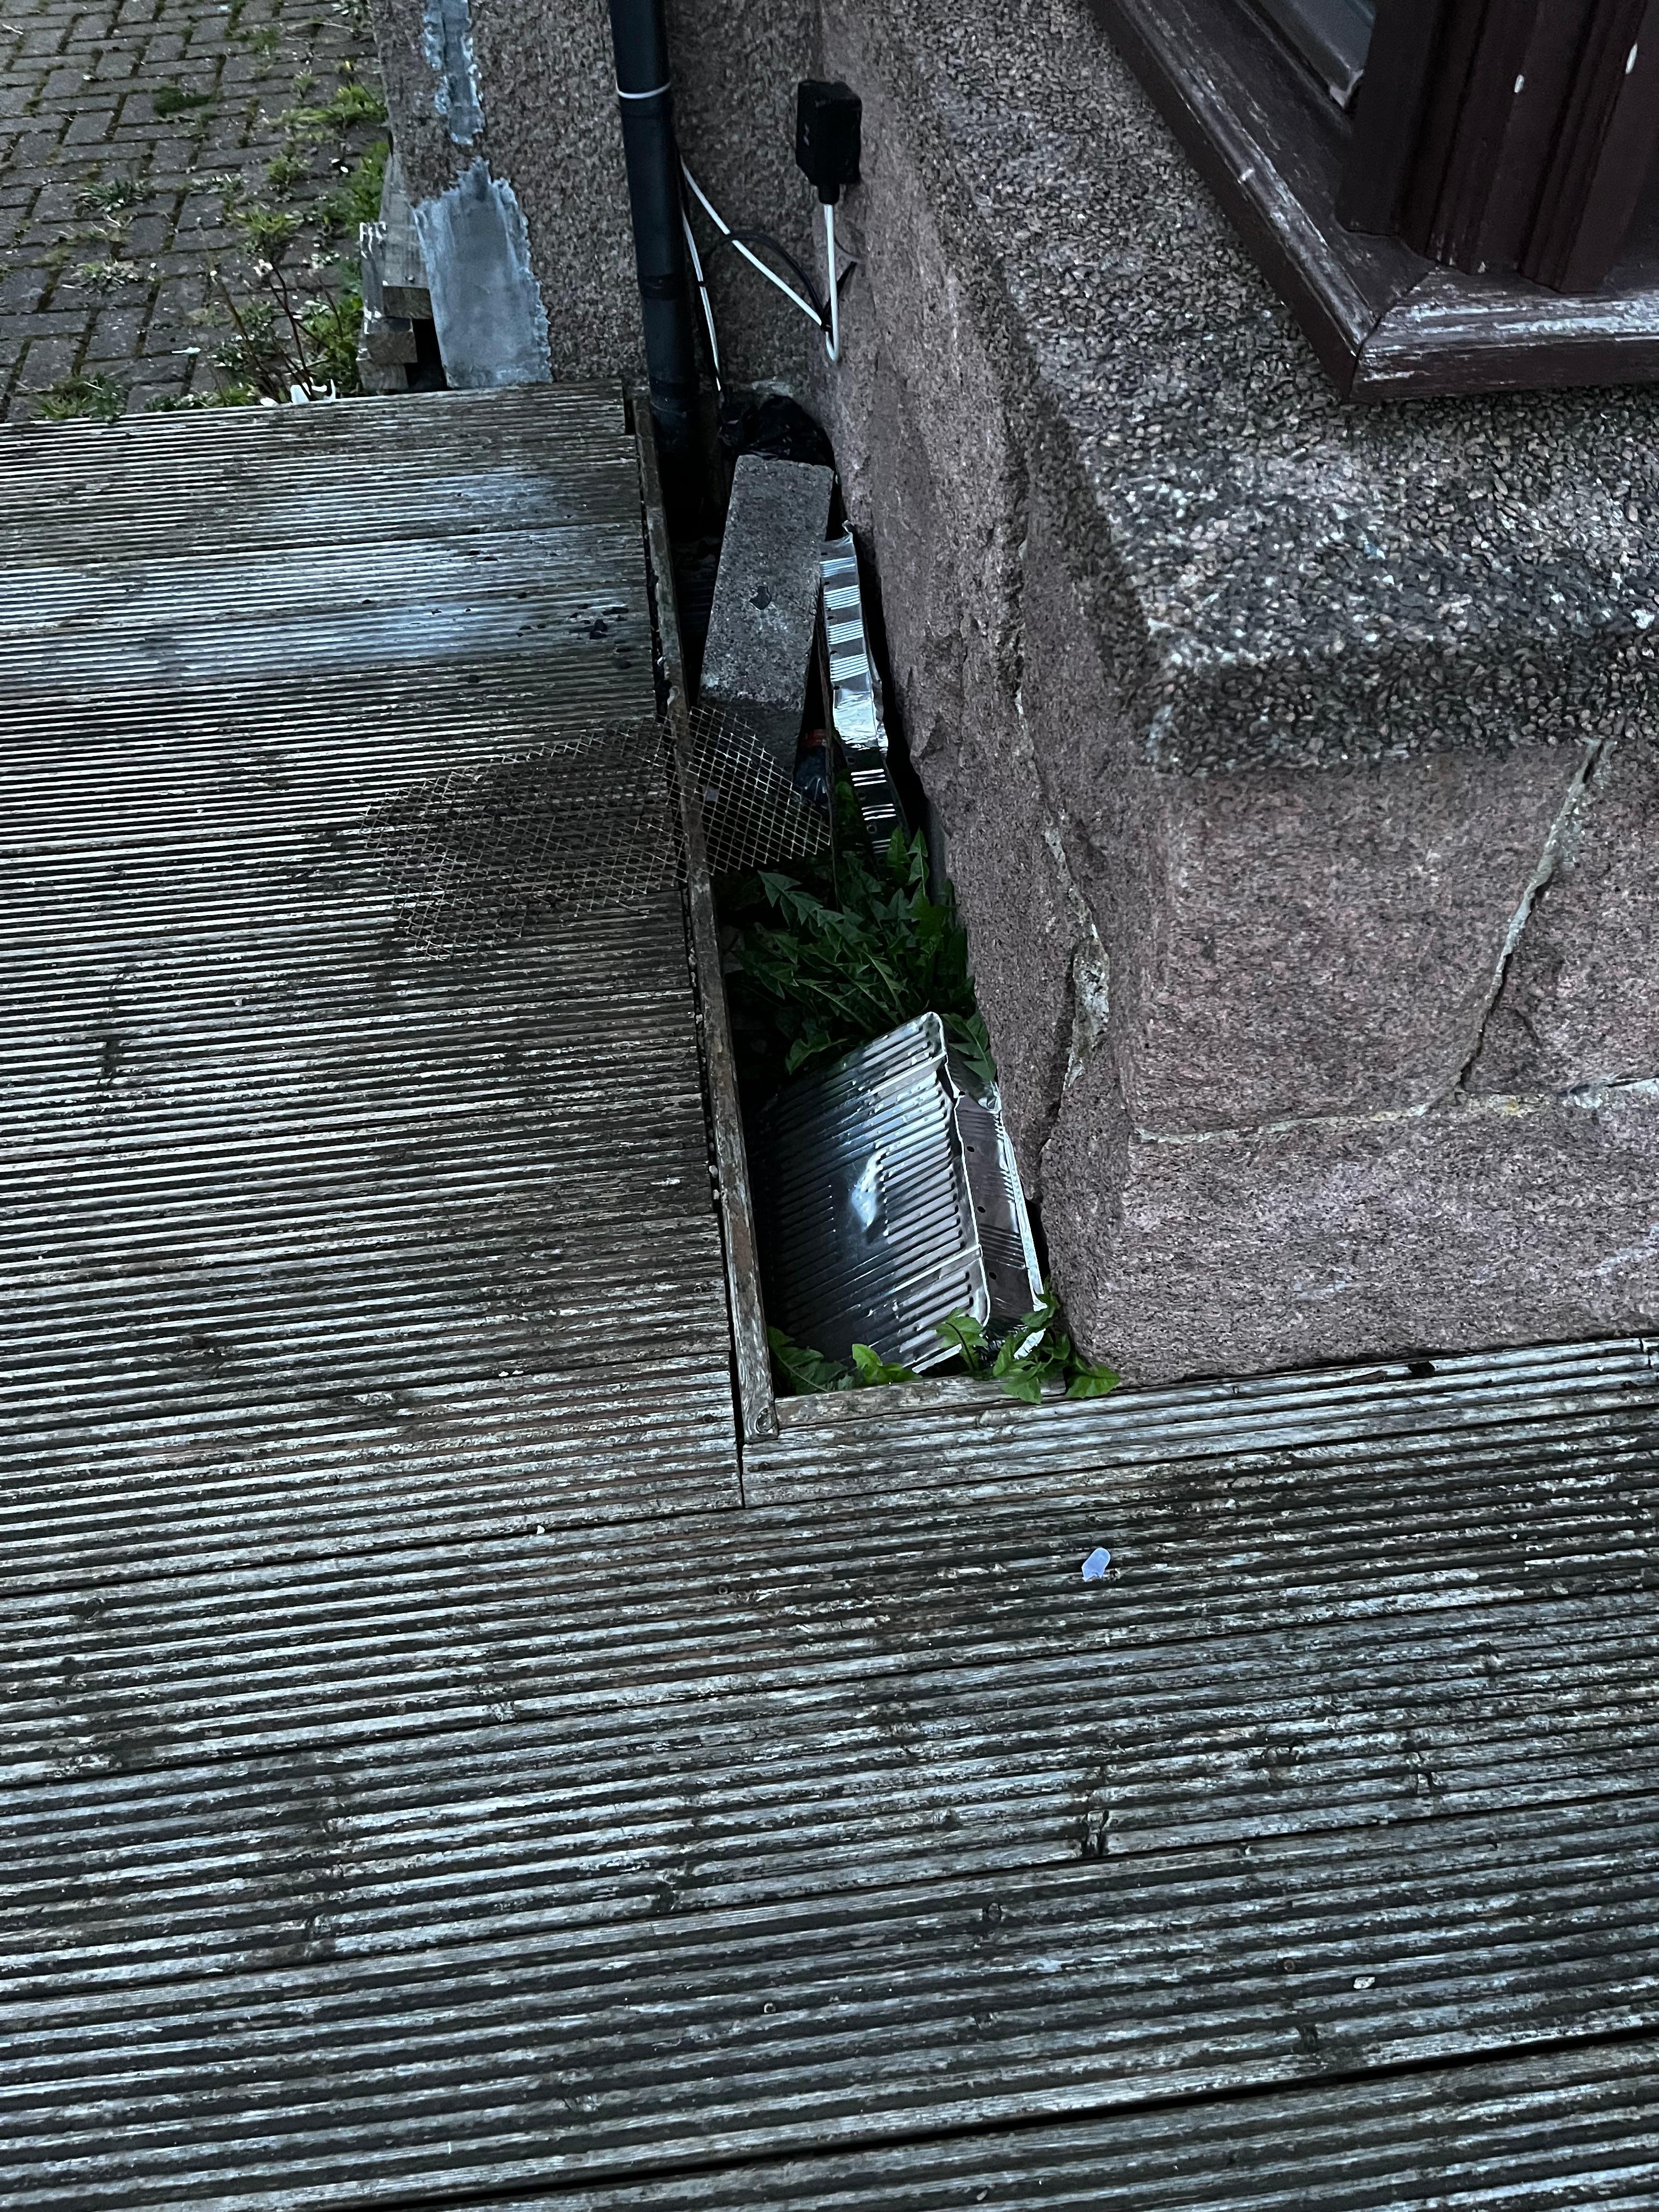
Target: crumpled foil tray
x=889, y=1199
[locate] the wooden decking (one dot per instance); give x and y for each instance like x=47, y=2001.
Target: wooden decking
x=321, y=1172
x=426, y=1785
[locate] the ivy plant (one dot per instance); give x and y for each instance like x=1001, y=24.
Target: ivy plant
x=1034, y=1350
x=810, y=1371
x=819, y=970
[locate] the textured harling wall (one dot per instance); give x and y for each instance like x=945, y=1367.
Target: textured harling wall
x=547, y=128
x=1296, y=761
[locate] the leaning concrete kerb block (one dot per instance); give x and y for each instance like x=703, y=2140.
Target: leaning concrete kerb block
x=765, y=597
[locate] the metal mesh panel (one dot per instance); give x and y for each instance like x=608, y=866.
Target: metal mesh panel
x=752, y=815
x=475, y=855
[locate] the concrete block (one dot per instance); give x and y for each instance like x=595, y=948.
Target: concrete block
x=766, y=597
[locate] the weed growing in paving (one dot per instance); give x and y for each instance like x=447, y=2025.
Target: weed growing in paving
x=352, y=104
x=99, y=276
x=110, y=198
x=71, y=398
x=224, y=395
x=265, y=42
x=356, y=198
x=112, y=232
x=287, y=171
x=110, y=235
x=280, y=345
x=281, y=342
x=332, y=328
x=174, y=100
x=267, y=231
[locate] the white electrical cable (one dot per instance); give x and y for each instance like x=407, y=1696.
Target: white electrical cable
x=703, y=293
x=772, y=276
x=832, y=336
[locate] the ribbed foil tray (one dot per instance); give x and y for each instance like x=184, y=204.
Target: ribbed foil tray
x=888, y=1200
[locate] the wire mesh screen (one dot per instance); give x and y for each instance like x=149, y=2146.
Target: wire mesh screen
x=475, y=855
x=752, y=815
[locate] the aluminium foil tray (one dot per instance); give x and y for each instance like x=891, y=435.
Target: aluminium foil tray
x=889, y=1200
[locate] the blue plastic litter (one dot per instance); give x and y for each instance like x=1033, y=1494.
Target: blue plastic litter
x=1095, y=1566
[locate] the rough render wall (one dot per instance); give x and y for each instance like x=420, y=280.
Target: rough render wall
x=737, y=63
x=556, y=136
x=547, y=86
x=547, y=91
x=431, y=162
x=1302, y=1059
x=454, y=146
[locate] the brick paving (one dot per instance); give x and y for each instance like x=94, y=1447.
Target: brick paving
x=151, y=101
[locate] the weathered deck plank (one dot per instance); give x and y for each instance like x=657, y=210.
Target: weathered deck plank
x=288, y=1194
x=609, y=1850
x=1080, y=1988
x=841, y=1765
x=1564, y=2133
x=881, y=1445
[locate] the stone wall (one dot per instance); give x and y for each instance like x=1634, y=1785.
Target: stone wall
x=1295, y=761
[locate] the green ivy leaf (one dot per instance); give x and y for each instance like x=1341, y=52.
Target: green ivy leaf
x=808, y=1370
x=1025, y=1339
x=966, y=1333
x=1092, y=1383
x=872, y=1370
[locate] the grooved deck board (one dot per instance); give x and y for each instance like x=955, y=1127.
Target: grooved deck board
x=287, y=1196
x=1578, y=2129
x=406, y=1868
x=749, y=2030
x=861, y=1446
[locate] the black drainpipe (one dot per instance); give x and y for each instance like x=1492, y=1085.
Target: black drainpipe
x=640, y=37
